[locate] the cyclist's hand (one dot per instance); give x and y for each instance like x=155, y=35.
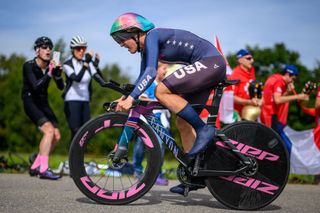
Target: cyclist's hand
x=88, y=56
x=96, y=60
x=125, y=104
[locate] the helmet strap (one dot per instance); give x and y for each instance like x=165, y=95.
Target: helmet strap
x=137, y=40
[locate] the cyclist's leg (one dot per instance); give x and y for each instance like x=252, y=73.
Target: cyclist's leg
x=126, y=136
x=197, y=77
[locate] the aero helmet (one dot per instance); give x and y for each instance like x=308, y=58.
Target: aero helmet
x=131, y=22
x=43, y=40
x=78, y=41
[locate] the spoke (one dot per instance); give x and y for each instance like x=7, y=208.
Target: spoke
x=121, y=182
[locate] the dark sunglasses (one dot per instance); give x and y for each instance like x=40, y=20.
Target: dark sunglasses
x=80, y=48
x=45, y=47
x=120, y=37
x=249, y=58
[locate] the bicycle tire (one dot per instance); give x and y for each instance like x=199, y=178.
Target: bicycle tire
x=95, y=184
x=244, y=192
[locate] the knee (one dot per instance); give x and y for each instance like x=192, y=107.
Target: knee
x=160, y=90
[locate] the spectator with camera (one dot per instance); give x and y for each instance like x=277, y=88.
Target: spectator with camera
x=37, y=74
x=79, y=70
x=245, y=73
x=277, y=95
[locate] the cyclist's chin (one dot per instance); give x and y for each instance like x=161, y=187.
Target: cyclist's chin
x=132, y=50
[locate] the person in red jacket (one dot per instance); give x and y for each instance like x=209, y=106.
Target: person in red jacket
x=245, y=73
x=318, y=108
x=277, y=96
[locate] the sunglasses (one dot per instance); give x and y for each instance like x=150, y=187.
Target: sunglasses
x=80, y=48
x=120, y=37
x=44, y=47
x=249, y=58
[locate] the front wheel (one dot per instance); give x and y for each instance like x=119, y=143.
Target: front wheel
x=91, y=166
x=260, y=186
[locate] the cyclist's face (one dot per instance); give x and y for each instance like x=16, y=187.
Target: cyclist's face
x=44, y=52
x=130, y=44
x=78, y=52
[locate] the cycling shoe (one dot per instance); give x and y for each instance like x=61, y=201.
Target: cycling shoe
x=204, y=135
x=34, y=172
x=120, y=153
x=180, y=189
x=48, y=174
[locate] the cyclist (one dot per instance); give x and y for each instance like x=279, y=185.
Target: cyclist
x=191, y=84
x=79, y=73
x=37, y=74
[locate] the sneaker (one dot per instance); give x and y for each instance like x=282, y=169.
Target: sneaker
x=162, y=181
x=48, y=174
x=34, y=172
x=204, y=135
x=32, y=158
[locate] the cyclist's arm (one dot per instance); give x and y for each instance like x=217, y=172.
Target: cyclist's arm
x=71, y=73
x=151, y=63
x=34, y=82
x=59, y=82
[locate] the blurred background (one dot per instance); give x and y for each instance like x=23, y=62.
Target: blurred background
x=276, y=32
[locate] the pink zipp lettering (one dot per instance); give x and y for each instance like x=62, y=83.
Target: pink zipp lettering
x=106, y=124
x=250, y=151
x=85, y=180
x=102, y=194
x=145, y=138
x=134, y=190
x=252, y=183
x=83, y=139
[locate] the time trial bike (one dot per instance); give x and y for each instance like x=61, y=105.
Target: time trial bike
x=245, y=167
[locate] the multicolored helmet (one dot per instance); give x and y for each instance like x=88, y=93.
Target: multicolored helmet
x=130, y=22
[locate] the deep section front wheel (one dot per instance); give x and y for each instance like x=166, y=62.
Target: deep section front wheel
x=262, y=184
x=94, y=172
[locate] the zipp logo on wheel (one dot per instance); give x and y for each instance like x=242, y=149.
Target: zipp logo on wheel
x=190, y=69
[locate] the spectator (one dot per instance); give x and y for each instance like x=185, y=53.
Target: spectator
x=277, y=96
x=164, y=117
x=79, y=73
x=37, y=74
x=245, y=73
x=317, y=128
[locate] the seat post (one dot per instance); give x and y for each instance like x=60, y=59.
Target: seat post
x=213, y=111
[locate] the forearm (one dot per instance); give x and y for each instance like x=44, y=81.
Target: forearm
x=59, y=82
x=285, y=99
x=242, y=101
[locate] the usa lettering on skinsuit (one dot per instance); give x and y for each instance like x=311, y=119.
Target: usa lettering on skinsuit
x=190, y=69
x=144, y=83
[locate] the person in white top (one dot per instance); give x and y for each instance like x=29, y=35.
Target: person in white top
x=79, y=73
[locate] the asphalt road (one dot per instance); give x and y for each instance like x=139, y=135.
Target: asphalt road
x=21, y=193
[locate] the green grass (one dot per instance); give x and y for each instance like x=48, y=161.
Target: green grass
x=169, y=166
